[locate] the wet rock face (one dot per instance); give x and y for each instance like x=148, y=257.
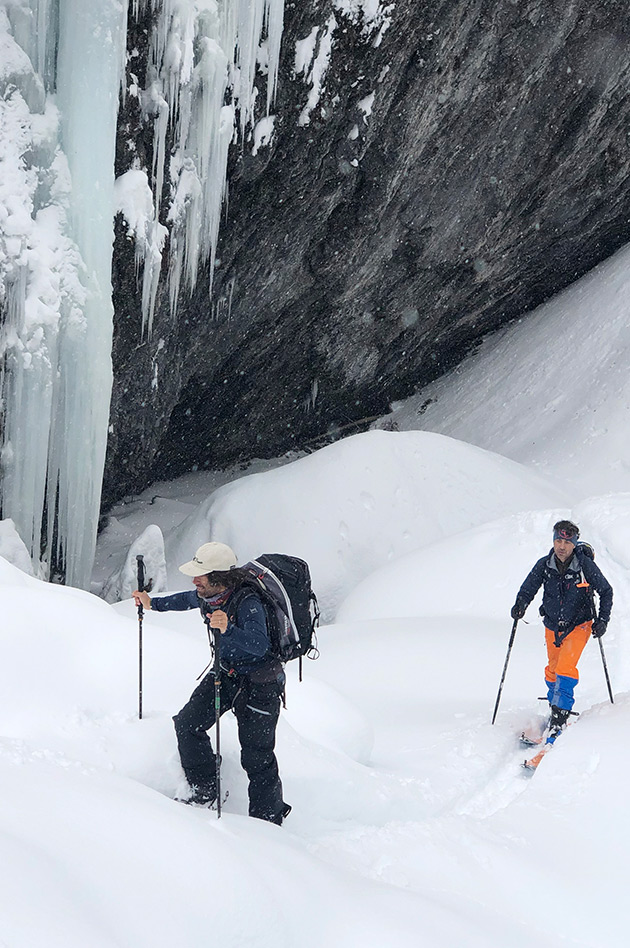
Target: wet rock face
x=463, y=162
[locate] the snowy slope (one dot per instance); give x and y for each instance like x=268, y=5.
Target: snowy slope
x=412, y=822
x=358, y=504
x=482, y=582
x=552, y=391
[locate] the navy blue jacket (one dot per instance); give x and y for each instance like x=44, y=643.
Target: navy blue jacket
x=245, y=643
x=565, y=604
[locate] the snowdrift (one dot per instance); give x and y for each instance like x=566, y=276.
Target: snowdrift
x=552, y=391
x=360, y=503
x=478, y=572
x=412, y=822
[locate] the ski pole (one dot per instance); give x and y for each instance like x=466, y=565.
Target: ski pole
x=140, y=561
x=601, y=649
x=591, y=596
x=507, y=658
x=215, y=645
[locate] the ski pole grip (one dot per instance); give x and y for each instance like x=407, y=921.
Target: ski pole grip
x=141, y=579
x=141, y=582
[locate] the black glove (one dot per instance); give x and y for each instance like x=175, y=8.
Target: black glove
x=518, y=609
x=599, y=627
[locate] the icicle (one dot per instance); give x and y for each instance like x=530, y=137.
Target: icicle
x=202, y=55
x=275, y=26
x=91, y=37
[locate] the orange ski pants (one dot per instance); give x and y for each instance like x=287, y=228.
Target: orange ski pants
x=561, y=673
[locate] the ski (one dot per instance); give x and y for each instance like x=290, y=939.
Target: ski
x=527, y=741
x=530, y=766
x=548, y=738
x=533, y=734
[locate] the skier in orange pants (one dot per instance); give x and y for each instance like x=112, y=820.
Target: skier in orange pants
x=566, y=573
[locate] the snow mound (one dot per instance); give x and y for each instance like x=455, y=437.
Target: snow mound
x=360, y=503
x=123, y=581
x=477, y=573
x=13, y=549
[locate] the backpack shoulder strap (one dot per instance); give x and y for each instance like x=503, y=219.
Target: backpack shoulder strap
x=239, y=596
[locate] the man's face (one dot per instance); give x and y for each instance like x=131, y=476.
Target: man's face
x=205, y=588
x=563, y=549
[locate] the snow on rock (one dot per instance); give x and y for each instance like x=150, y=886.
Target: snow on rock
x=314, y=69
x=305, y=51
x=263, y=133
x=134, y=200
x=12, y=547
x=149, y=545
x=370, y=14
x=366, y=105
x=358, y=504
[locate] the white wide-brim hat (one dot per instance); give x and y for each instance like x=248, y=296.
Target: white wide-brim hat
x=210, y=558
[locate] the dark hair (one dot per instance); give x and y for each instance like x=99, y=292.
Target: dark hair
x=230, y=578
x=568, y=525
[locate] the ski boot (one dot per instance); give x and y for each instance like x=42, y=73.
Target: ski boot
x=204, y=796
x=557, y=722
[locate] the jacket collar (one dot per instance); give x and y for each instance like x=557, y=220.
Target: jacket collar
x=574, y=563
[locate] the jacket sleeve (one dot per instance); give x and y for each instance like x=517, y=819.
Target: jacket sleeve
x=178, y=602
x=533, y=582
x=248, y=636
x=594, y=576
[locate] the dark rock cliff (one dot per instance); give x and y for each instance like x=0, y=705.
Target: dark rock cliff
x=363, y=254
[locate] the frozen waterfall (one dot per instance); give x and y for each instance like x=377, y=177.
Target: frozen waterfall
x=61, y=79
x=61, y=68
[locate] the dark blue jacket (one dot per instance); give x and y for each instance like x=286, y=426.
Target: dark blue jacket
x=566, y=604
x=245, y=643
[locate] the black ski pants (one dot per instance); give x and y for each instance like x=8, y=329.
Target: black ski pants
x=257, y=709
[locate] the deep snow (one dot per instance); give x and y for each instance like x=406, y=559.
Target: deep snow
x=412, y=821
x=551, y=391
